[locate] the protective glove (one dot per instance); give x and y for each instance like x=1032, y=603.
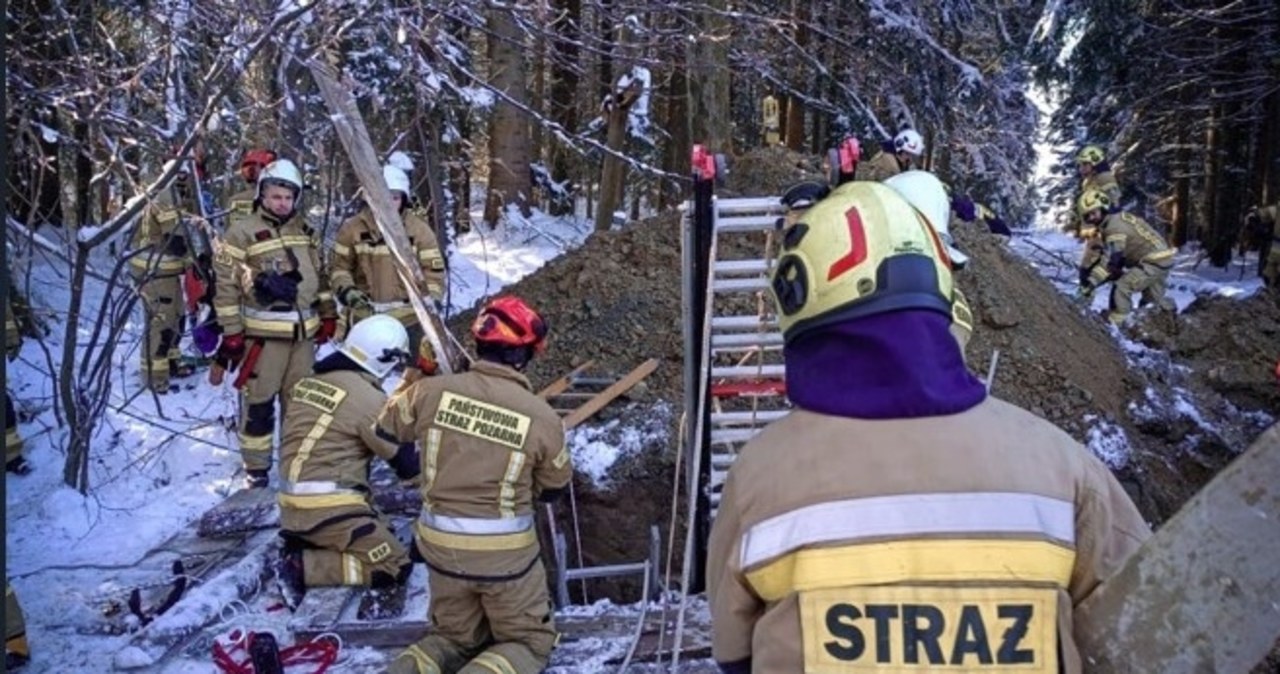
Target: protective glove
x=328, y=328
x=1084, y=276
x=427, y=362
x=176, y=246
x=12, y=351
x=407, y=462
x=272, y=287
x=232, y=349
x=354, y=298
x=1085, y=291
x=1115, y=266
x=964, y=208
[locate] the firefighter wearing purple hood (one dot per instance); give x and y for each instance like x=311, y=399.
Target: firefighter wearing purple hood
x=900, y=519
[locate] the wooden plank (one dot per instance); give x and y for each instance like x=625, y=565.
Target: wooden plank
x=606, y=396
x=558, y=386
x=336, y=610
x=1200, y=595
x=244, y=510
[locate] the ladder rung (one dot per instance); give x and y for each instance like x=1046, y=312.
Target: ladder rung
x=723, y=436
x=747, y=223
x=722, y=460
x=717, y=478
x=742, y=267
x=743, y=322
x=749, y=372
x=739, y=285
x=760, y=417
x=749, y=205
x=746, y=340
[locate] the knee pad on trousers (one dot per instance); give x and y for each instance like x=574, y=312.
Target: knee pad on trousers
x=260, y=419
x=167, y=342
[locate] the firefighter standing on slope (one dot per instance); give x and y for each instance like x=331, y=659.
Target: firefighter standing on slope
x=161, y=259
x=490, y=449
x=364, y=273
x=899, y=517
x=1133, y=254
x=332, y=534
x=14, y=462
x=894, y=156
x=272, y=306
x=1095, y=174
x=251, y=166
x=1264, y=225
x=16, y=650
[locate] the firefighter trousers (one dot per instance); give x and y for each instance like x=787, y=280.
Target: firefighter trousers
x=162, y=303
x=281, y=364
x=353, y=550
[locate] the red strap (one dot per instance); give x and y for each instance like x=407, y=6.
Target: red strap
x=750, y=388
x=321, y=653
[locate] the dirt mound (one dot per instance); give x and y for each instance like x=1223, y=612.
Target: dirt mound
x=770, y=170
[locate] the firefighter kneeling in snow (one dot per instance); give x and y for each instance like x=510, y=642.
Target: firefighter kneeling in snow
x=332, y=534
x=1135, y=256
x=899, y=517
x=490, y=449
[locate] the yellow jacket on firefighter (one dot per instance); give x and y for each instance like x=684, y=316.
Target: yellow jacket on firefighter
x=362, y=259
x=160, y=238
x=1139, y=242
x=489, y=448
x=252, y=246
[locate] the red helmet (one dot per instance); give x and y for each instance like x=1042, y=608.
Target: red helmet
x=253, y=161
x=508, y=321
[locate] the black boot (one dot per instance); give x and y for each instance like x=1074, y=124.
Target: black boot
x=18, y=466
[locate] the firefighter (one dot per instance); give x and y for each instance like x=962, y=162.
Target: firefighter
x=1263, y=224
x=161, y=259
x=251, y=166
x=272, y=307
x=14, y=462
x=1095, y=174
x=491, y=448
x=402, y=161
x=899, y=517
x=894, y=156
x=363, y=270
x=332, y=534
x=965, y=210
x=16, y=651
x=928, y=196
x=1134, y=255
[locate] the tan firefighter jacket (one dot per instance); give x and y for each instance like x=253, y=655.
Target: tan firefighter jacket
x=361, y=258
x=12, y=334
x=489, y=447
x=1093, y=257
x=241, y=202
x=1140, y=242
x=254, y=245
x=891, y=545
x=160, y=239
x=1104, y=181
x=883, y=165
x=1271, y=215
x=327, y=441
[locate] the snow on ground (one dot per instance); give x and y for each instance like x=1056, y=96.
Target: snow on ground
x=153, y=474
x=597, y=448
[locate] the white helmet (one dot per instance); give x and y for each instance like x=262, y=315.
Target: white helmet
x=928, y=195
x=401, y=161
x=378, y=344
x=397, y=180
x=909, y=141
x=281, y=172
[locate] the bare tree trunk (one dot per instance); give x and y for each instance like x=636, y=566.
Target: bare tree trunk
x=509, y=150
x=676, y=157
x=564, y=87
x=795, y=106
x=1181, y=190
x=614, y=171
x=710, y=116
x=1212, y=168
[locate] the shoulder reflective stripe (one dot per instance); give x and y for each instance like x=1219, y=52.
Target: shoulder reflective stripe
x=909, y=515
x=561, y=459
x=340, y=249
x=445, y=539
x=507, y=490
x=476, y=525
x=405, y=408
x=918, y=561
x=494, y=662
x=352, y=574
x=430, y=463
x=421, y=660
x=308, y=443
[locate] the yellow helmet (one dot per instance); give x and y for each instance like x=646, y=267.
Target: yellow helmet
x=1091, y=200
x=861, y=251
x=1091, y=154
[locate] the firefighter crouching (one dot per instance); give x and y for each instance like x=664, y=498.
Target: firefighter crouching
x=332, y=534
x=271, y=305
x=490, y=448
x=1134, y=255
x=364, y=273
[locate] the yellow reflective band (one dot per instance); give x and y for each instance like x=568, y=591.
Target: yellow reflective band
x=914, y=628
x=254, y=442
x=231, y=252
x=340, y=249
x=324, y=296
x=405, y=409
x=425, y=664
x=1159, y=255
x=507, y=490
x=11, y=437
x=561, y=459
x=489, y=543
x=351, y=572
x=283, y=328
x=308, y=443
x=494, y=663
x=317, y=394
x=430, y=462
x=913, y=561
x=314, y=501
x=155, y=364
x=242, y=206
x=378, y=250
x=226, y=310
x=166, y=263
x=482, y=420
x=434, y=290
x=289, y=240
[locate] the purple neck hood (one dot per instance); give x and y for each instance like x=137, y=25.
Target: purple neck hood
x=898, y=365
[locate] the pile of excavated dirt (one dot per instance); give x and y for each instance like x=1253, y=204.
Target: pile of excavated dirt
x=1197, y=399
